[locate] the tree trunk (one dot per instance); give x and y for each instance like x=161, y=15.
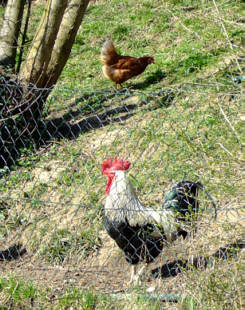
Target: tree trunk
x=10, y=32
x=39, y=55
x=21, y=104
x=66, y=36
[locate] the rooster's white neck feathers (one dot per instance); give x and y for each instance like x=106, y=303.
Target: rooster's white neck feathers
x=122, y=205
x=122, y=202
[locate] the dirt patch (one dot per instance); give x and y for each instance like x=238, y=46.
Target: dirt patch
x=107, y=271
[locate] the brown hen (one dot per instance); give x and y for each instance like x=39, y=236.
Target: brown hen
x=118, y=68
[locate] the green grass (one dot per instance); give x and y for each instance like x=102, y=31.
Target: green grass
x=180, y=119
x=19, y=294
x=184, y=43
x=16, y=294
x=217, y=291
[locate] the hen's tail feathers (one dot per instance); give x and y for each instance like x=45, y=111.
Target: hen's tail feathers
x=108, y=53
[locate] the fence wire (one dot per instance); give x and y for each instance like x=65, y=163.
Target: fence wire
x=52, y=191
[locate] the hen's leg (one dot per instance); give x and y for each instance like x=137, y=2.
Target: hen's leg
x=117, y=86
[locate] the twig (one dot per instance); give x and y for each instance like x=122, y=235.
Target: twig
x=161, y=297
x=225, y=149
x=229, y=123
x=186, y=28
x=225, y=32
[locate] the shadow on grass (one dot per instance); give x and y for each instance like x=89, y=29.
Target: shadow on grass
x=153, y=78
x=173, y=268
x=12, y=253
x=60, y=128
x=95, y=114
x=70, y=121
x=90, y=111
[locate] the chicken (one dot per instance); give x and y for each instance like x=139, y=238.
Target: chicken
x=139, y=231
x=119, y=68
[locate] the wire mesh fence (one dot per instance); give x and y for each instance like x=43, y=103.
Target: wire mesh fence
x=52, y=201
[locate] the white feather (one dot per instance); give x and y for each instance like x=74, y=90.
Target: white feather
x=122, y=203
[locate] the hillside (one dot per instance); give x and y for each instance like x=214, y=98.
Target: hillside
x=181, y=119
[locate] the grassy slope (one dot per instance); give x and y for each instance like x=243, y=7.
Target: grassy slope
x=184, y=42
x=57, y=192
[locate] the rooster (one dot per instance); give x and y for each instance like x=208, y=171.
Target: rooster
x=139, y=231
x=119, y=68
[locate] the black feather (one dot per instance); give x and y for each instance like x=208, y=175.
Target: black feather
x=137, y=242
x=182, y=198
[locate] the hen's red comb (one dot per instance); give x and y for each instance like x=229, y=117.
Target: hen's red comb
x=115, y=164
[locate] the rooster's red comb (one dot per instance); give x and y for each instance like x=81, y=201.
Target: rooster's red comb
x=115, y=164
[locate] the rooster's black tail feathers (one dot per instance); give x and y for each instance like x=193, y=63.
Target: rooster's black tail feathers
x=183, y=198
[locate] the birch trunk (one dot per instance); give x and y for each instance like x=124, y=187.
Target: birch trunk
x=40, y=52
x=45, y=61
x=66, y=36
x=10, y=32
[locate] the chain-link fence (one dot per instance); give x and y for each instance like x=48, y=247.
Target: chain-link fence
x=52, y=201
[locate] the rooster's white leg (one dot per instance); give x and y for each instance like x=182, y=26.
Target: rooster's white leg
x=135, y=276
x=154, y=287
x=141, y=271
